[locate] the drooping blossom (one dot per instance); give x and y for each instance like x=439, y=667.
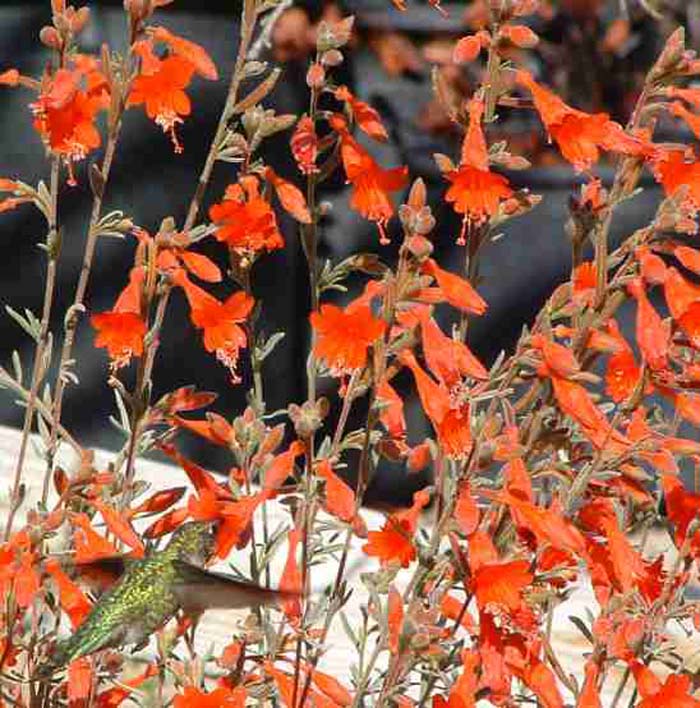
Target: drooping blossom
x=673, y=170
x=71, y=598
x=457, y=291
x=676, y=690
x=449, y=414
x=371, y=183
x=66, y=110
x=476, y=192
x=220, y=321
x=304, y=145
x=339, y=498
x=394, y=543
x=18, y=572
x=245, y=221
x=121, y=330
x=653, y=334
x=622, y=372
x=290, y=196
x=343, y=336
x=192, y=697
x=366, y=117
x=580, y=136
x=161, y=83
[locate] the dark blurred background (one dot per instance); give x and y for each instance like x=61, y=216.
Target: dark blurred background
x=592, y=54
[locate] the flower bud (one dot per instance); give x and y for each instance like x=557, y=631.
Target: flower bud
x=49, y=37
x=419, y=247
x=79, y=19
x=308, y=417
x=139, y=10
x=315, y=76
x=332, y=57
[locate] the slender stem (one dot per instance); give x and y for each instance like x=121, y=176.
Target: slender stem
x=247, y=28
x=143, y=377
x=366, y=675
x=309, y=239
x=72, y=316
x=40, y=407
x=39, y=368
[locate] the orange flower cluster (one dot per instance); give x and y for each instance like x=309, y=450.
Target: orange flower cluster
x=246, y=222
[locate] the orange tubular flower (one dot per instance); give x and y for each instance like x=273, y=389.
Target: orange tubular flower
x=246, y=222
x=161, y=83
x=304, y=145
x=65, y=112
x=476, y=191
x=450, y=417
x=394, y=543
x=365, y=116
x=192, y=697
x=121, y=330
x=457, y=291
x=220, y=321
x=580, y=136
x=673, y=171
x=371, y=183
x=343, y=336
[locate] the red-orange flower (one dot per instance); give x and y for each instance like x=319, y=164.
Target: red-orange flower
x=580, y=136
x=675, y=691
x=394, y=543
x=339, y=498
x=371, y=183
x=121, y=330
x=67, y=107
x=673, y=170
x=449, y=415
x=622, y=373
x=72, y=599
x=17, y=570
x=246, y=222
x=80, y=678
x=455, y=290
x=161, y=83
x=192, y=697
x=583, y=283
x=653, y=334
x=304, y=144
x=365, y=116
x=220, y=321
x=476, y=192
x=343, y=336
x=186, y=49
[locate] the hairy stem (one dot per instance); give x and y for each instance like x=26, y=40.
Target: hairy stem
x=39, y=368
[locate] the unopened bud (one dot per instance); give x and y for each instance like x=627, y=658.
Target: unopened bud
x=419, y=247
x=671, y=55
x=315, y=76
x=418, y=194
x=79, y=19
x=308, y=417
x=49, y=37
x=139, y=10
x=332, y=57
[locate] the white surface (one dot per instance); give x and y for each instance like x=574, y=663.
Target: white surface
x=217, y=627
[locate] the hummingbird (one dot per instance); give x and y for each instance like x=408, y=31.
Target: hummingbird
x=152, y=589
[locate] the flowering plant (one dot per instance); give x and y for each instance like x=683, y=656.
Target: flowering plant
x=547, y=467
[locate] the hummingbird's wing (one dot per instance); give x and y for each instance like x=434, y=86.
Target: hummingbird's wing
x=197, y=589
x=100, y=573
